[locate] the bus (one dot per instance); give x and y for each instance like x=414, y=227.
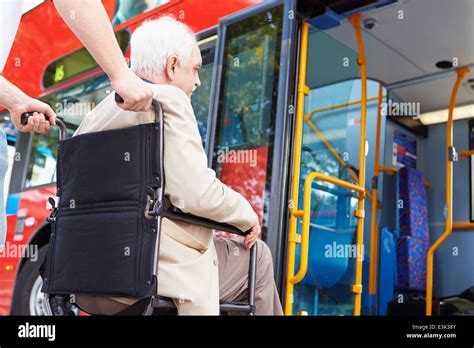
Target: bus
x=348, y=125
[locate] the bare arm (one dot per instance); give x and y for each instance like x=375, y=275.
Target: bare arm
x=89, y=21
x=18, y=102
x=12, y=97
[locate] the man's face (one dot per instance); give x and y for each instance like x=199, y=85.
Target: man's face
x=187, y=77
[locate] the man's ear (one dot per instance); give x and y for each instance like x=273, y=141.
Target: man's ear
x=171, y=64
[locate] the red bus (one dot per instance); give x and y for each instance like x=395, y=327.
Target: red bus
x=340, y=122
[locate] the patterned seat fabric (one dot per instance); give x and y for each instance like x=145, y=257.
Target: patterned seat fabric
x=413, y=243
x=411, y=263
x=414, y=212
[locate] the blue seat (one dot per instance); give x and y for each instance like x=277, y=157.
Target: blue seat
x=414, y=213
x=413, y=242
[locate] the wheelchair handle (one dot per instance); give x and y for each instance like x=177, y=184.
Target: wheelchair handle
x=62, y=127
x=118, y=98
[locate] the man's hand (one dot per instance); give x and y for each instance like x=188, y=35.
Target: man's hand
x=37, y=123
x=136, y=94
x=252, y=237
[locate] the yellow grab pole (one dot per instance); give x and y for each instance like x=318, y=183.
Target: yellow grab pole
x=449, y=193
x=292, y=237
x=374, y=240
x=360, y=213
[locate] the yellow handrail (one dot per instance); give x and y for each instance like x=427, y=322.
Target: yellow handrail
x=336, y=155
x=306, y=214
x=357, y=287
x=292, y=235
x=337, y=106
x=449, y=193
x=463, y=225
x=467, y=153
x=379, y=169
x=374, y=240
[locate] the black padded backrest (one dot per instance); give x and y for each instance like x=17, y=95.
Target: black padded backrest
x=102, y=243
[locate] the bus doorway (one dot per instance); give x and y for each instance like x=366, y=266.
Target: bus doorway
x=366, y=222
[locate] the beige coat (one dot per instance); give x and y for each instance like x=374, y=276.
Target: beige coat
x=187, y=268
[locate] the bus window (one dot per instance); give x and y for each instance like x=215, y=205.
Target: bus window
x=77, y=63
x=126, y=9
x=247, y=106
x=201, y=96
x=42, y=163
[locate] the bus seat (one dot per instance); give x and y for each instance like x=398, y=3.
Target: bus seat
x=413, y=243
x=411, y=263
x=327, y=261
x=414, y=211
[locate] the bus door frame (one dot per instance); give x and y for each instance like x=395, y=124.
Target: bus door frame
x=278, y=207
x=303, y=238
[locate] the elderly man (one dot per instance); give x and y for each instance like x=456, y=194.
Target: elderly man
x=195, y=269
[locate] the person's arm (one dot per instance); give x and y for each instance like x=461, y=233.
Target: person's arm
x=89, y=21
x=11, y=97
x=189, y=183
x=18, y=102
x=10, y=15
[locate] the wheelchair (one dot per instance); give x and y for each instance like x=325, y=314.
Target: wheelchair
x=106, y=222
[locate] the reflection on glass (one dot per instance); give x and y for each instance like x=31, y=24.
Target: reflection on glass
x=247, y=107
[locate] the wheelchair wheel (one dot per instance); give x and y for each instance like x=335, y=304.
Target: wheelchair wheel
x=28, y=298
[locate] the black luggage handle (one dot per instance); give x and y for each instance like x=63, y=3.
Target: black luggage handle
x=62, y=127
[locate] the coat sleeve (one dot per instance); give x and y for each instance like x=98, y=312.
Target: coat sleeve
x=189, y=183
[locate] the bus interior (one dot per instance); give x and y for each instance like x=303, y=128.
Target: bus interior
x=361, y=118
